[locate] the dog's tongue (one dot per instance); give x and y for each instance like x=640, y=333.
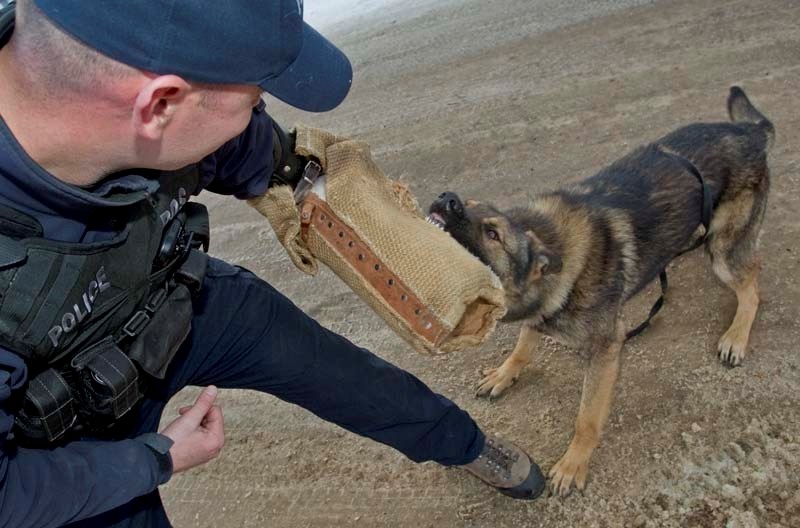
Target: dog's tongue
x=437, y=220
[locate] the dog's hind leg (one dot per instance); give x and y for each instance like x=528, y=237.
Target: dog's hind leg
x=733, y=245
x=598, y=392
x=498, y=379
x=732, y=345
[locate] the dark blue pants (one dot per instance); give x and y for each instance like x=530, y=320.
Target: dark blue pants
x=246, y=335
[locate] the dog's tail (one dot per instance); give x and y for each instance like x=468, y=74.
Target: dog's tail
x=741, y=109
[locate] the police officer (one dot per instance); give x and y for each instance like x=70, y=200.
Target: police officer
x=113, y=115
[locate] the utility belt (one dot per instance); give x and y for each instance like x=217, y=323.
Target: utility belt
x=90, y=390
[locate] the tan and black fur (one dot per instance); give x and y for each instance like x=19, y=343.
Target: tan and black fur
x=571, y=259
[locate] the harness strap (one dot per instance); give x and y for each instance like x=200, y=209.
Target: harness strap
x=662, y=277
x=708, y=207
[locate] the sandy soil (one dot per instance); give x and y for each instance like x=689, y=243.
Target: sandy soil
x=503, y=99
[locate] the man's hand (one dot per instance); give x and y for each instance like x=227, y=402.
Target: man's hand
x=198, y=433
x=287, y=165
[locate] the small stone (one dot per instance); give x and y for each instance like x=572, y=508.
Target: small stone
x=696, y=428
x=759, y=479
x=735, y=451
x=733, y=493
x=742, y=520
x=794, y=502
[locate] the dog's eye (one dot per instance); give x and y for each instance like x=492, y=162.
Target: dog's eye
x=492, y=234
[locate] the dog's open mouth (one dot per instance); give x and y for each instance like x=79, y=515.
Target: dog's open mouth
x=437, y=220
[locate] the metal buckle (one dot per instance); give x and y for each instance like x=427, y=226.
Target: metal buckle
x=156, y=300
x=306, y=183
x=136, y=323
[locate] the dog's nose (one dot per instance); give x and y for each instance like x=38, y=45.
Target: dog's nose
x=452, y=202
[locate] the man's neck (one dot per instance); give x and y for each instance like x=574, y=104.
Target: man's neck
x=64, y=140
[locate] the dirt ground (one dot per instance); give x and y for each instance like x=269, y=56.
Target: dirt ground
x=503, y=99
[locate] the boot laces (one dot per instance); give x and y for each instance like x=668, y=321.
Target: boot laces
x=499, y=460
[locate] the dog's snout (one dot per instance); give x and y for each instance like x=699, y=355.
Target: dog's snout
x=452, y=202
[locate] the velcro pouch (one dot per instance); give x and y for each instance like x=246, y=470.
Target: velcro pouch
x=109, y=381
x=49, y=409
x=154, y=347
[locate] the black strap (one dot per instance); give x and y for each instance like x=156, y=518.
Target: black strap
x=17, y=224
x=6, y=22
x=708, y=207
x=12, y=253
x=197, y=223
x=287, y=164
x=654, y=310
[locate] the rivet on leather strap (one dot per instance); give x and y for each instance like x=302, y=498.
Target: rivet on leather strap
x=317, y=213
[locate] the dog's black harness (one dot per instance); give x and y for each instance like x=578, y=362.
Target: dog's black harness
x=708, y=206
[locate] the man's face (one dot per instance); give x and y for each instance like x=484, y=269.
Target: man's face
x=206, y=119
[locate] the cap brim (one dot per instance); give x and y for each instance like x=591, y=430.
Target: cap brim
x=319, y=78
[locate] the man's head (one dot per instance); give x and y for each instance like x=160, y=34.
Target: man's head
x=247, y=42
x=180, y=78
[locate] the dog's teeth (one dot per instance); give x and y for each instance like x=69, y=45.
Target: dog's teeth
x=436, y=222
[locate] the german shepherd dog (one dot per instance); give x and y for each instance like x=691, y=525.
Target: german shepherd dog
x=570, y=260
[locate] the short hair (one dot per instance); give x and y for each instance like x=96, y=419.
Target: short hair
x=57, y=62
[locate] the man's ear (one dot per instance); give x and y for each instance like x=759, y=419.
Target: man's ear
x=156, y=103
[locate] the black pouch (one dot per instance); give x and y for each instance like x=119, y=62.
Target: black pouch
x=48, y=410
x=154, y=347
x=192, y=272
x=109, y=384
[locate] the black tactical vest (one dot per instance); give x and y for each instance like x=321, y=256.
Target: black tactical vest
x=95, y=321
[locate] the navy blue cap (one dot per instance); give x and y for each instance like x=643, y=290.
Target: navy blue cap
x=258, y=42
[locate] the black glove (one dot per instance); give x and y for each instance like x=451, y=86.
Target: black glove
x=288, y=165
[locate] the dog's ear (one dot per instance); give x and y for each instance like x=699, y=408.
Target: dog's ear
x=542, y=261
x=546, y=263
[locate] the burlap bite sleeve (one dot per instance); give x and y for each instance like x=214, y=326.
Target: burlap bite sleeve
x=370, y=232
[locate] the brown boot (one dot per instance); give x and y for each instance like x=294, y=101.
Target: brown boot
x=508, y=469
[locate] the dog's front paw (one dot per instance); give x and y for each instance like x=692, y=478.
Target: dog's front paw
x=733, y=346
x=497, y=380
x=571, y=469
